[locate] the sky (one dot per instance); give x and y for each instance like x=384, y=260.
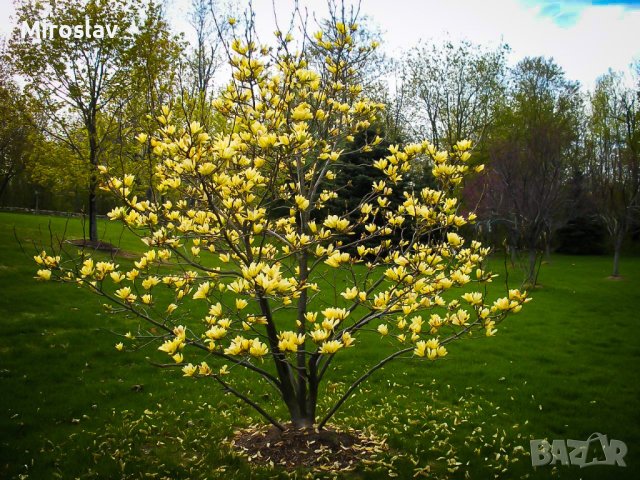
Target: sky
x=585, y=38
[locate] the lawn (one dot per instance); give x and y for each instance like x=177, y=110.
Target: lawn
x=73, y=407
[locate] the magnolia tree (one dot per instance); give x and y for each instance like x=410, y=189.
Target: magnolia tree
x=238, y=224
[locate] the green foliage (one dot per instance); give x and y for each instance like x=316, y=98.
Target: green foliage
x=17, y=130
x=82, y=85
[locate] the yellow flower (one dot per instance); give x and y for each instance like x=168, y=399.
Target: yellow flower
x=302, y=202
x=189, y=370
x=454, y=239
x=204, y=369
x=502, y=304
x=171, y=308
x=350, y=293
x=170, y=346
x=319, y=335
x=347, y=339
x=330, y=347
x=202, y=291
x=216, y=332
x=44, y=275
x=433, y=343
x=132, y=274
x=302, y=112
x=474, y=298
x=333, y=313
x=337, y=223
x=177, y=357
x=180, y=332
x=119, y=346
x=258, y=349
x=117, y=277
x=215, y=310
x=87, y=268
x=337, y=258
x=463, y=145
x=383, y=329
x=150, y=282
x=125, y=294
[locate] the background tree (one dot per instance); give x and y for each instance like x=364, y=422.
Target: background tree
x=16, y=127
x=260, y=278
x=207, y=18
x=614, y=149
x=535, y=134
x=76, y=80
x=154, y=82
x=452, y=90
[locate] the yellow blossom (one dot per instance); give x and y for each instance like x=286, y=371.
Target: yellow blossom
x=171, y=308
x=330, y=347
x=347, y=339
x=202, y=291
x=177, y=358
x=204, y=369
x=350, y=293
x=454, y=239
x=258, y=349
x=44, y=275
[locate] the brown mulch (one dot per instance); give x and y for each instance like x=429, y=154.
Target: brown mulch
x=103, y=247
x=327, y=449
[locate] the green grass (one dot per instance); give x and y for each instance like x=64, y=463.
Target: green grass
x=73, y=407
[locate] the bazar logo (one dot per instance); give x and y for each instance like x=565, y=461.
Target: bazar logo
x=578, y=452
x=47, y=30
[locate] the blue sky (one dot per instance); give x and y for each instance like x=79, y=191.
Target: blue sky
x=567, y=13
x=585, y=37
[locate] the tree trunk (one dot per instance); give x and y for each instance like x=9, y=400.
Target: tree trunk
x=93, y=183
x=531, y=272
x=616, y=254
x=93, y=213
x=4, y=184
x=514, y=255
x=547, y=251
x=287, y=381
x=301, y=422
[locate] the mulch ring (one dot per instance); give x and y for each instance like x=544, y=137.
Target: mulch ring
x=103, y=247
x=327, y=449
